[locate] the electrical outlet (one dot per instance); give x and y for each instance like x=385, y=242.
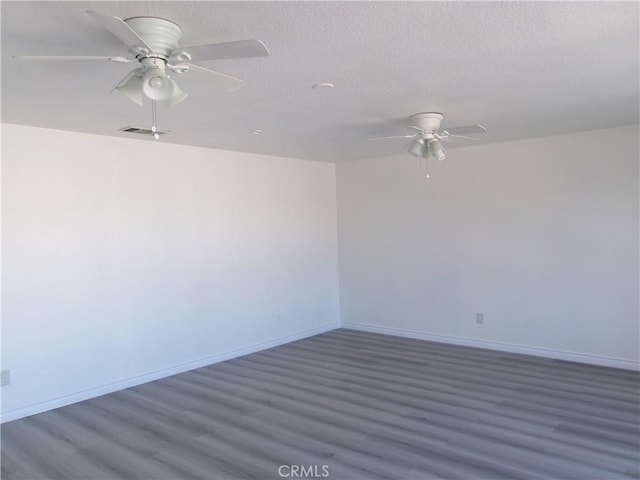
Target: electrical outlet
x=479, y=318
x=5, y=377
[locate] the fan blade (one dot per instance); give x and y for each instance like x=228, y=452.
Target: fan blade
x=478, y=129
x=221, y=80
x=448, y=137
x=395, y=136
x=221, y=51
x=71, y=58
x=124, y=32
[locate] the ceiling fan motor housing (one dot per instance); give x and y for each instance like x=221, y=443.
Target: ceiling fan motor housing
x=160, y=34
x=428, y=122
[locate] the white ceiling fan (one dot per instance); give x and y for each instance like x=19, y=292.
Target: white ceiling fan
x=427, y=137
x=153, y=43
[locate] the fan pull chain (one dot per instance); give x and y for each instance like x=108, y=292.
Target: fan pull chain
x=425, y=159
x=154, y=128
x=423, y=164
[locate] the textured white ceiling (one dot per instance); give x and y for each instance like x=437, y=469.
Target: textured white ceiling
x=521, y=69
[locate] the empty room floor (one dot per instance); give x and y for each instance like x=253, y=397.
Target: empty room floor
x=346, y=404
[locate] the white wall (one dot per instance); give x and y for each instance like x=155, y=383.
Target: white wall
x=127, y=260
x=541, y=236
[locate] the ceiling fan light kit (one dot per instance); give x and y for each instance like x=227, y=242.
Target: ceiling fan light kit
x=151, y=81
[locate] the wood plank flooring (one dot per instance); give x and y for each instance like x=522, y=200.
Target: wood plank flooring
x=352, y=405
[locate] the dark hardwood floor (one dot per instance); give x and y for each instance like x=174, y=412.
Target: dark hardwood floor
x=347, y=405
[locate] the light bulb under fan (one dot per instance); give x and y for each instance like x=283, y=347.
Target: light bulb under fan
x=417, y=148
x=436, y=149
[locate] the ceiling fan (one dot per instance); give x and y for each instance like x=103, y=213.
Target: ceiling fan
x=153, y=43
x=427, y=137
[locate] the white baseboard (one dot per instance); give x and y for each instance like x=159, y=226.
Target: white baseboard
x=149, y=377
x=503, y=347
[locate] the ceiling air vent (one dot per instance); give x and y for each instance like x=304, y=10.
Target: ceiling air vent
x=142, y=131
